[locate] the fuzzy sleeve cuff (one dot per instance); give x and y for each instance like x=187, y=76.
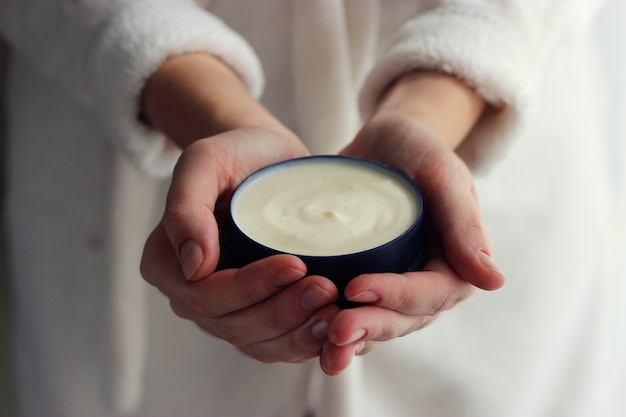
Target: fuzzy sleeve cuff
x=134, y=41
x=480, y=49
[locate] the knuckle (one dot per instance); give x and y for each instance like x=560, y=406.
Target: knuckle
x=173, y=215
x=225, y=330
x=294, y=347
x=450, y=300
x=201, y=310
x=444, y=304
x=406, y=301
x=249, y=289
x=474, y=226
x=275, y=320
x=256, y=354
x=418, y=324
x=387, y=334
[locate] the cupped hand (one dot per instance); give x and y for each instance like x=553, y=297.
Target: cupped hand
x=269, y=309
x=459, y=244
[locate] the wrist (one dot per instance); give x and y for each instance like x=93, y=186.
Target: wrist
x=193, y=96
x=443, y=105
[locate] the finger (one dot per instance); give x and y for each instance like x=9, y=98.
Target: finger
x=399, y=304
x=299, y=345
x=228, y=291
x=336, y=359
x=370, y=323
x=449, y=188
x=425, y=293
x=451, y=205
x=231, y=290
x=189, y=219
x=280, y=314
x=223, y=292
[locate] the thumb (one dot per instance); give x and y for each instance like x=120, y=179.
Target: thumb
x=452, y=205
x=189, y=220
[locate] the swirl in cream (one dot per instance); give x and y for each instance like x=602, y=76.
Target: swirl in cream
x=324, y=207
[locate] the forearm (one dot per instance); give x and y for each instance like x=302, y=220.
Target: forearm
x=194, y=96
x=444, y=106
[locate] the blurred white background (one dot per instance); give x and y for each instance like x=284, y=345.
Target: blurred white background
x=611, y=29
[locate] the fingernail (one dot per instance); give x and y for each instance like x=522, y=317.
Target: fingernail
x=365, y=297
x=287, y=276
x=355, y=336
x=320, y=330
x=190, y=258
x=313, y=298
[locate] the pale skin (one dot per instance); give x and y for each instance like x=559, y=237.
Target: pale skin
x=271, y=310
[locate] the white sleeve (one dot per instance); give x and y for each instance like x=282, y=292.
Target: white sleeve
x=495, y=46
x=104, y=51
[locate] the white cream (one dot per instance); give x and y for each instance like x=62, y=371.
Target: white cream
x=324, y=207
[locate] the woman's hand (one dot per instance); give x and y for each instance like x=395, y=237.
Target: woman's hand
x=269, y=309
x=416, y=128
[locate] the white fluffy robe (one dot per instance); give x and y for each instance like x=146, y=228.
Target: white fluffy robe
x=319, y=65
